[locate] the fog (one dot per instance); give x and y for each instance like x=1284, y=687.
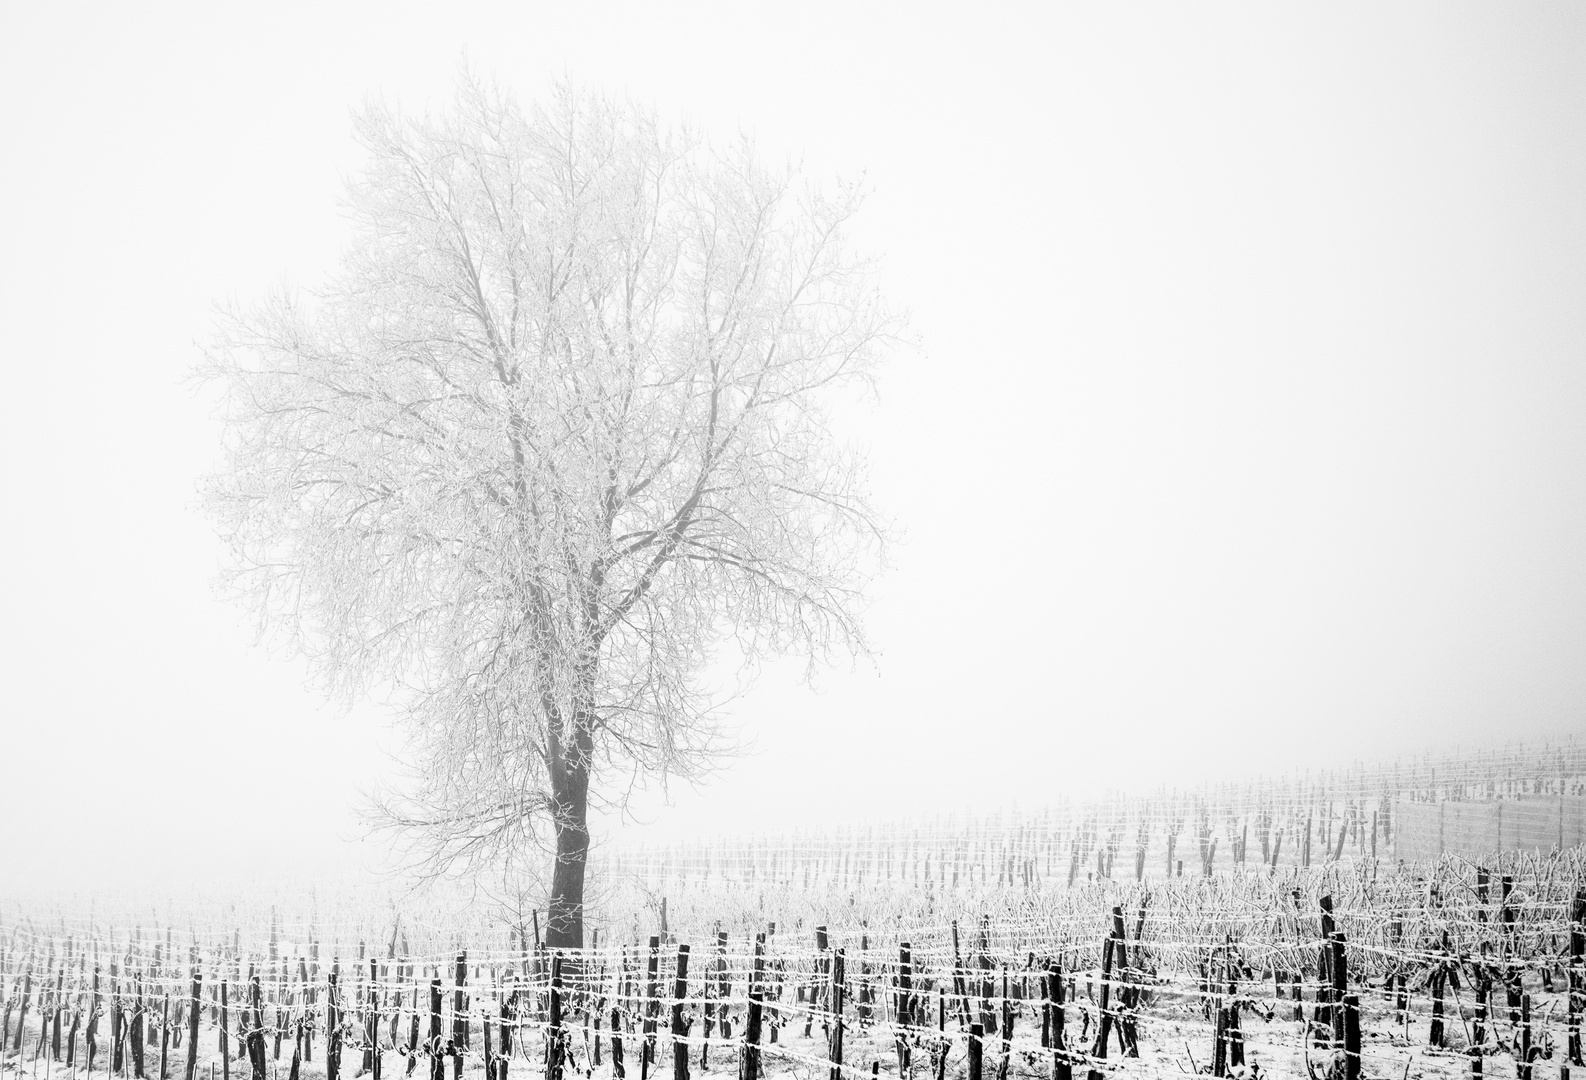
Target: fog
x=1243, y=433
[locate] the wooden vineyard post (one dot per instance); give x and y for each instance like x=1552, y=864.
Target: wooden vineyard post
x=774, y=969
x=459, y=1015
x=1062, y=1069
x=1577, y=975
x=372, y=1023
x=903, y=1007
x=960, y=982
x=433, y=1046
x=1005, y=1030
x=192, y=1024
x=1128, y=993
x=256, y=1057
x=507, y=1012
x=90, y=1042
x=1046, y=1012
x=1351, y=1010
x=165, y=1035
x=333, y=1024
x=413, y=1023
x=131, y=1010
x=617, y=1069
x=1523, y=1055
x=749, y=1059
x=116, y=1034
x=822, y=966
x=1338, y=971
x=679, y=1022
x=975, y=1049
x=305, y=1009
x=135, y=1028
x=707, y=991
x=864, y=978
x=1219, y=1025
x=1228, y=1049
x=723, y=986
x=296, y=1021
x=593, y=975
x=555, y=1038
x=1398, y=978
x=1510, y=972
x=1103, y=1008
x=1435, y=1031
x=1323, y=1014
x=835, y=1003
x=988, y=1019
x=53, y=1026
x=224, y=1027
x=652, y=1006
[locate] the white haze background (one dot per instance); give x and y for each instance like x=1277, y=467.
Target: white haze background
x=1247, y=433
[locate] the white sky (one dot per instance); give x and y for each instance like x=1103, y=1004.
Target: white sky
x=1248, y=430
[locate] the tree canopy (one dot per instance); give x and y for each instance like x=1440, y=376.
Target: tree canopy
x=557, y=428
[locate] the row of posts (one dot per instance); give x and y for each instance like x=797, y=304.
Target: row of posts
x=1336, y=1021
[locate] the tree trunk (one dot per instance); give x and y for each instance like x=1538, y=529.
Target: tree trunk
x=570, y=790
x=565, y=927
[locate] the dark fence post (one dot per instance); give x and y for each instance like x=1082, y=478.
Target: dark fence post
x=333, y=1021
x=135, y=1029
x=225, y=1035
x=1062, y=1069
x=835, y=1002
x=1338, y=971
x=652, y=1006
x=1103, y=1008
x=1351, y=1010
x=434, y=1047
x=115, y=1013
x=192, y=1024
x=723, y=985
x=256, y=1056
x=459, y=1015
x=749, y=1062
x=617, y=1069
x=89, y=1041
x=508, y=1015
x=903, y=1006
x=1522, y=1067
x=1577, y=974
x=555, y=1038
x=165, y=1035
x=1005, y=1029
x=679, y=1022
x=371, y=1023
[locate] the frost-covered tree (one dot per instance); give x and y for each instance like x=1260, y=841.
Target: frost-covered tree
x=555, y=431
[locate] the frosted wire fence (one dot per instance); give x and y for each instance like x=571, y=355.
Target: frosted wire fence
x=1213, y=969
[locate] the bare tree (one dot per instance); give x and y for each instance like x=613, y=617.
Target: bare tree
x=557, y=430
